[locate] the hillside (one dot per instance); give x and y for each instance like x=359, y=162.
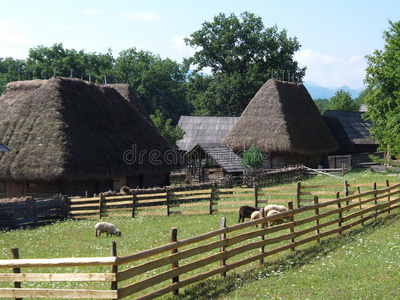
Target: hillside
x=319, y=92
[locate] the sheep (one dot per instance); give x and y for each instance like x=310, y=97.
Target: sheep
x=255, y=215
x=245, y=212
x=271, y=213
x=269, y=207
x=108, y=228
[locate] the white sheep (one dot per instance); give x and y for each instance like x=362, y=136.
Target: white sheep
x=271, y=213
x=255, y=215
x=279, y=208
x=108, y=228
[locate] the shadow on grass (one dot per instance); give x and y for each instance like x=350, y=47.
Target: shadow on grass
x=215, y=287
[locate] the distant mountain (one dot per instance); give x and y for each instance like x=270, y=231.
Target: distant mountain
x=319, y=92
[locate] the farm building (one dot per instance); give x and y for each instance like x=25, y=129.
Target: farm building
x=283, y=121
x=70, y=136
x=340, y=135
x=356, y=129
x=219, y=162
x=199, y=129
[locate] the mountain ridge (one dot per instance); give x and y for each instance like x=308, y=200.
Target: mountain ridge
x=320, y=92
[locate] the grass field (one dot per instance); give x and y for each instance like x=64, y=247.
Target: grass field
x=362, y=264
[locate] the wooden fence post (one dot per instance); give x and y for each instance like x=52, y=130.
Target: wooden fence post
x=298, y=193
x=262, y=237
x=340, y=217
x=114, y=268
x=255, y=194
x=346, y=191
x=15, y=255
x=35, y=212
x=375, y=201
x=359, y=200
x=134, y=199
x=388, y=198
x=223, y=248
x=64, y=207
x=101, y=200
x=291, y=220
x=173, y=239
x=168, y=200
x=316, y=202
x=213, y=187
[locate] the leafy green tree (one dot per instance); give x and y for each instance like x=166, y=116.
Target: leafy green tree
x=322, y=105
x=241, y=53
x=159, y=83
x=360, y=99
x=252, y=158
x=170, y=132
x=342, y=101
x=383, y=100
x=10, y=70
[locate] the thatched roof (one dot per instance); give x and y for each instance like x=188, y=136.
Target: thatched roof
x=281, y=118
x=203, y=130
x=72, y=129
x=340, y=135
x=356, y=127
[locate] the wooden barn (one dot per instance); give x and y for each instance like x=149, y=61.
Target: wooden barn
x=199, y=129
x=213, y=161
x=355, y=128
x=283, y=121
x=70, y=136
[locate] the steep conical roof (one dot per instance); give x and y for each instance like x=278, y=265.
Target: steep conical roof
x=73, y=129
x=281, y=118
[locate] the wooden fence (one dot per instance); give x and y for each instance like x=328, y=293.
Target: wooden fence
x=32, y=212
x=179, y=263
x=171, y=201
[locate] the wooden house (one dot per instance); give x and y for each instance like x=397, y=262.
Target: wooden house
x=70, y=136
x=356, y=129
x=283, y=121
x=213, y=161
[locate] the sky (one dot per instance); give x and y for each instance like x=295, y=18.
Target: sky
x=335, y=36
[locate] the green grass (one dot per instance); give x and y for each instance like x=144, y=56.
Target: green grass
x=362, y=264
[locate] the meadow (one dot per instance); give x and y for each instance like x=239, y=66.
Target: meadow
x=361, y=264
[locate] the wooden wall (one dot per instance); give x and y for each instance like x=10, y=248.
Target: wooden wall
x=278, y=161
x=2, y=189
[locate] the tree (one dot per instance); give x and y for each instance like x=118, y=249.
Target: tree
x=252, y=158
x=159, y=83
x=10, y=70
x=360, y=99
x=322, y=105
x=383, y=100
x=241, y=54
x=171, y=133
x=342, y=101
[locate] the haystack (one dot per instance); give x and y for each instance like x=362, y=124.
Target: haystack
x=283, y=121
x=63, y=130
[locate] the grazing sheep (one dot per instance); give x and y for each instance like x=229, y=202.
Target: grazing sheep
x=255, y=215
x=108, y=228
x=125, y=190
x=271, y=213
x=279, y=208
x=245, y=212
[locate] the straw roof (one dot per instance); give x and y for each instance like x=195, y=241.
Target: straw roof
x=203, y=130
x=72, y=129
x=282, y=118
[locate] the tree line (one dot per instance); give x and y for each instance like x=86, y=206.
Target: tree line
x=240, y=52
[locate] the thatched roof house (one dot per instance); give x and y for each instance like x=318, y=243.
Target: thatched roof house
x=199, y=129
x=76, y=136
x=282, y=120
x=356, y=128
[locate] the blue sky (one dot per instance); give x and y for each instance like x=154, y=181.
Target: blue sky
x=335, y=35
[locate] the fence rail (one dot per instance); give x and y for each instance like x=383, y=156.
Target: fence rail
x=184, y=262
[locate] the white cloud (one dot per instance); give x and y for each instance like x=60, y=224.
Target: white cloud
x=179, y=46
x=93, y=12
x=148, y=17
x=332, y=71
